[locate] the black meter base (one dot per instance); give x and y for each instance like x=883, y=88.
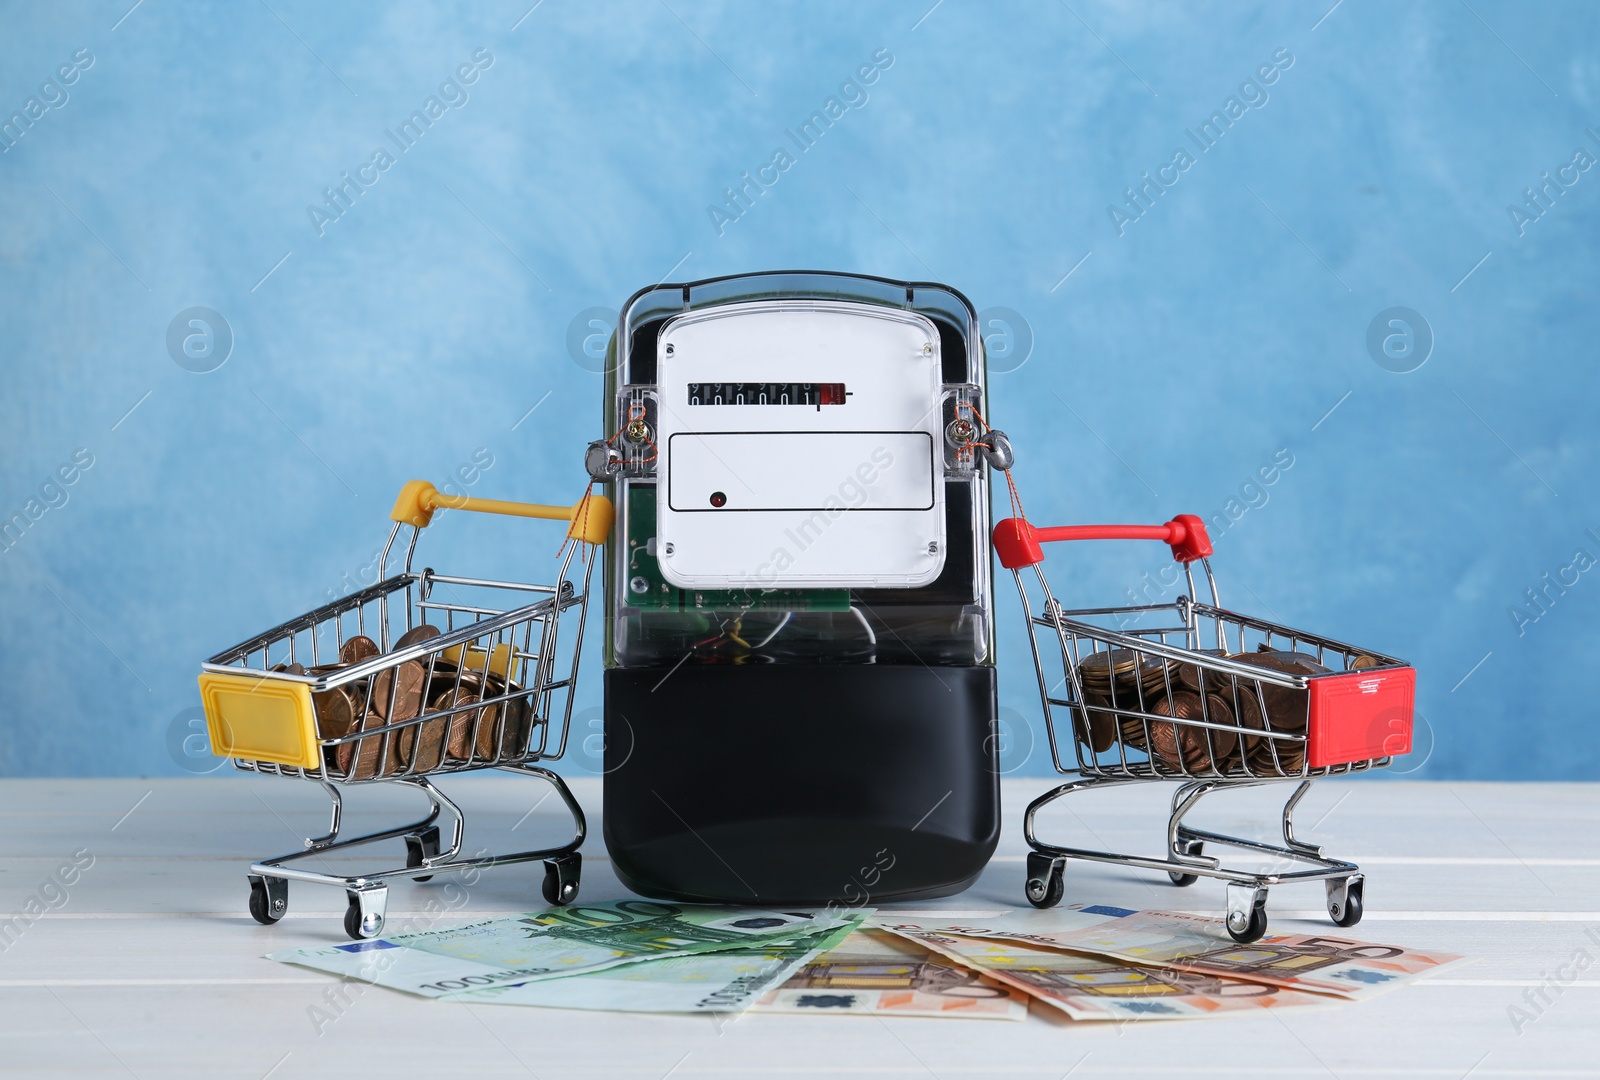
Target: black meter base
x=800, y=784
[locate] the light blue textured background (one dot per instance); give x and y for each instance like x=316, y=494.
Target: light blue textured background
x=1175, y=359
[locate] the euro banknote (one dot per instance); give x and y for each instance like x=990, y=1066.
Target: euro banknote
x=1099, y=988
x=1316, y=963
x=873, y=973
x=553, y=944
x=709, y=982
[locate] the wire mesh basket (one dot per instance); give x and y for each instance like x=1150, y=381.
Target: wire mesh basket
x=420, y=675
x=1206, y=697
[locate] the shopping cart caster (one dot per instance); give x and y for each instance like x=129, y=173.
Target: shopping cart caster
x=364, y=917
x=269, y=899
x=1344, y=899
x=1247, y=913
x=561, y=877
x=420, y=847
x=1046, y=880
x=1188, y=847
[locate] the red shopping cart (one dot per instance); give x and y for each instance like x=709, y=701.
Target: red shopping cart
x=1206, y=697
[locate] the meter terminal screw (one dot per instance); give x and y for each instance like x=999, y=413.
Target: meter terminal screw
x=637, y=431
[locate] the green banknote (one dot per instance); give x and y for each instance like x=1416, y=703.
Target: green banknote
x=554, y=944
x=716, y=982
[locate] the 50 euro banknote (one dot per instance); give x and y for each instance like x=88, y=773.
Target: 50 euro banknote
x=1328, y=964
x=1098, y=988
x=874, y=973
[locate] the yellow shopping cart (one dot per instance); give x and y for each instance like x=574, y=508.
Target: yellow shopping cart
x=419, y=675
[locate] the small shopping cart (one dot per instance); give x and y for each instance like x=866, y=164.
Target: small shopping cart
x=1208, y=698
x=419, y=675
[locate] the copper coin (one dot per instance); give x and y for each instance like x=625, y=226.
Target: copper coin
x=1101, y=666
x=490, y=718
x=396, y=697
x=1286, y=712
x=1296, y=663
x=445, y=680
x=357, y=649
x=1109, y=714
x=1247, y=709
x=1266, y=756
x=397, y=692
x=1362, y=663
x=414, y=635
x=1119, y=667
x=1288, y=664
x=1124, y=666
x=290, y=669
x=517, y=726
x=446, y=676
x=505, y=724
x=1101, y=729
x=358, y=758
x=336, y=713
x=423, y=745
x=363, y=752
x=459, y=743
x=365, y=716
x=1270, y=757
x=406, y=705
x=1189, y=748
x=1196, y=677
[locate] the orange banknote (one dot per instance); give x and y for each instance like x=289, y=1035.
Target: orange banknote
x=1315, y=963
x=1097, y=988
x=872, y=973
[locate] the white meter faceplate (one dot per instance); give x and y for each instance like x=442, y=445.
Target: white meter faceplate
x=799, y=447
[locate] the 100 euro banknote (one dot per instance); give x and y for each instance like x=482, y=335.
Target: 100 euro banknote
x=553, y=944
x=709, y=982
x=1316, y=963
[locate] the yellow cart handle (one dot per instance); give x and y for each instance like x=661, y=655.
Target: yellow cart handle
x=591, y=516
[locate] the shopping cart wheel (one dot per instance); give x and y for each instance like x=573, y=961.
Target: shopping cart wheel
x=1046, y=880
x=1189, y=847
x=364, y=917
x=561, y=877
x=421, y=846
x=269, y=899
x=1247, y=913
x=1344, y=900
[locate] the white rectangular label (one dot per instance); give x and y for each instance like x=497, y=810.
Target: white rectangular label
x=734, y=472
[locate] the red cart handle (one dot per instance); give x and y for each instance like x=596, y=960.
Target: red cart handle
x=1017, y=542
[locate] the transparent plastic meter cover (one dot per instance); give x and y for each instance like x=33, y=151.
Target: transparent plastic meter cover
x=786, y=489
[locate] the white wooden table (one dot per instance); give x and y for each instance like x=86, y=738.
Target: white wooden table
x=151, y=967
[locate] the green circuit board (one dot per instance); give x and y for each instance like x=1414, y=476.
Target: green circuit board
x=646, y=588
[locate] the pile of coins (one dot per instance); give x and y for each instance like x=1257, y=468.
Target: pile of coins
x=1128, y=696
x=404, y=692
x=1117, y=679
